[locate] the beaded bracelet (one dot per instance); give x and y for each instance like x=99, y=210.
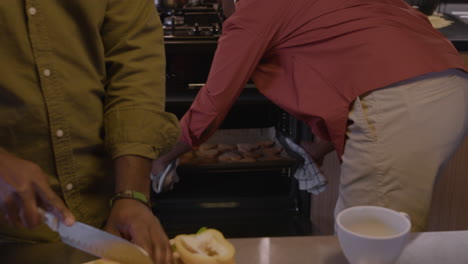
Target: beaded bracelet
x=130, y=194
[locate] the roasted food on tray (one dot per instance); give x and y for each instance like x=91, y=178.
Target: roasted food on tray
x=209, y=153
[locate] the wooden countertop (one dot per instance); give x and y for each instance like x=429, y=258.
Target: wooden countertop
x=427, y=248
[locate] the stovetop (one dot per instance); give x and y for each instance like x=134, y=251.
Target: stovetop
x=191, y=23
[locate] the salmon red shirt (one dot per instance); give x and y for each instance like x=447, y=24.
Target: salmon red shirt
x=313, y=58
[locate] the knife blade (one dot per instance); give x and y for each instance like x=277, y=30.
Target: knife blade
x=97, y=242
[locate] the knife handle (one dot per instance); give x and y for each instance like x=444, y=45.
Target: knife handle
x=49, y=219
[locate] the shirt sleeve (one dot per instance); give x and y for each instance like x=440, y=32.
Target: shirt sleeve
x=240, y=49
x=135, y=120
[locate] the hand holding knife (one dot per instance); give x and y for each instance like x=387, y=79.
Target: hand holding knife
x=97, y=242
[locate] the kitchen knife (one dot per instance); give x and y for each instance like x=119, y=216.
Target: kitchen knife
x=97, y=242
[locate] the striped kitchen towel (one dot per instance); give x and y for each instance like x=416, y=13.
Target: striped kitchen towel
x=165, y=180
x=308, y=174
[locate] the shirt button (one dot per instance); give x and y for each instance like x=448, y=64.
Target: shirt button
x=59, y=133
x=32, y=11
x=69, y=187
x=46, y=72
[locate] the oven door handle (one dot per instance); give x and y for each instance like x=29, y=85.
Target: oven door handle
x=220, y=205
x=195, y=86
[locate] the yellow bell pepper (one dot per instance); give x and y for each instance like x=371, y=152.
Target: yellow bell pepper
x=205, y=247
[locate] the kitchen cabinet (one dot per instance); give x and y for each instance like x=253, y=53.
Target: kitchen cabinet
x=450, y=199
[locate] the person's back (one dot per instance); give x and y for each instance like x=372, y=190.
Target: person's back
x=339, y=50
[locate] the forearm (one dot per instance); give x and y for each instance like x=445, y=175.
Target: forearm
x=226, y=80
x=131, y=219
x=132, y=173
x=325, y=147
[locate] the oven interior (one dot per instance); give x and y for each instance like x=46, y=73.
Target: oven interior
x=240, y=200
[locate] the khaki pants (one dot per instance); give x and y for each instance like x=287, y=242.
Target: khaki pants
x=399, y=139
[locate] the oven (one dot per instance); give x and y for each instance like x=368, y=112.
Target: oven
x=240, y=199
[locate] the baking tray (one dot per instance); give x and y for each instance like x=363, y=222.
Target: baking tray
x=236, y=136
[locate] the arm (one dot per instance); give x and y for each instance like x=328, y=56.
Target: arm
x=137, y=129
x=244, y=41
x=317, y=149
x=131, y=173
x=24, y=187
x=160, y=164
x=236, y=57
x=132, y=219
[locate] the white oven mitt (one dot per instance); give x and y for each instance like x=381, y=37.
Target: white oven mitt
x=166, y=179
x=308, y=174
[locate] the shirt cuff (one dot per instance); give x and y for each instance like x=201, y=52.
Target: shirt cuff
x=140, y=132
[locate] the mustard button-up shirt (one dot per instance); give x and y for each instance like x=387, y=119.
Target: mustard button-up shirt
x=81, y=82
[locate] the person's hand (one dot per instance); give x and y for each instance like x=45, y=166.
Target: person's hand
x=135, y=222
x=317, y=150
x=159, y=165
x=23, y=188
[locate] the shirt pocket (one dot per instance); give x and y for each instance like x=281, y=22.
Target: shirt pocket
x=362, y=118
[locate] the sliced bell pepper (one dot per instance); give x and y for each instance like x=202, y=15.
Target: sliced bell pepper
x=206, y=247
